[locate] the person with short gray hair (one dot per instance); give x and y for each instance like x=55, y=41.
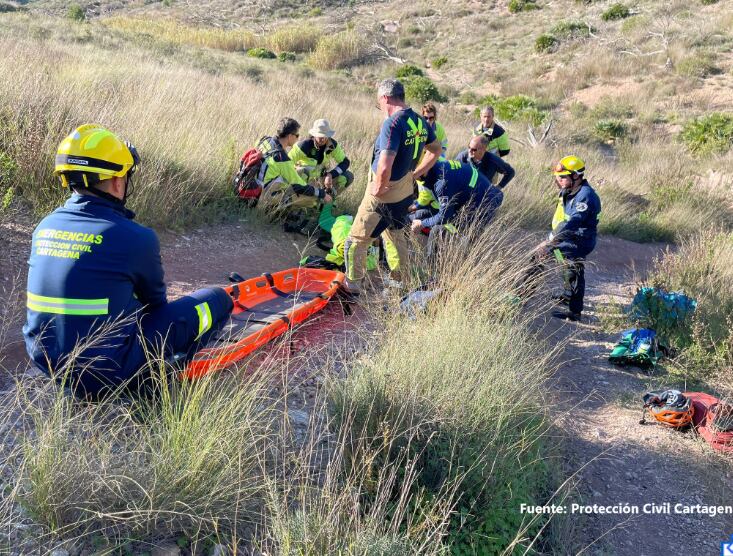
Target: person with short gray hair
x=396, y=162
x=497, y=135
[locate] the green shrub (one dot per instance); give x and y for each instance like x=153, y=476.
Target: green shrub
x=572, y=29
x=422, y=89
x=517, y=107
x=167, y=3
x=709, y=134
x=76, y=12
x=405, y=42
x=708, y=2
x=287, y=57
x=439, y=62
x=698, y=65
x=516, y=6
x=545, y=43
x=609, y=130
x=315, y=12
x=617, y=11
x=260, y=52
x=407, y=71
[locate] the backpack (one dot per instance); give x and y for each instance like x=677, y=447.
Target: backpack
x=246, y=184
x=637, y=346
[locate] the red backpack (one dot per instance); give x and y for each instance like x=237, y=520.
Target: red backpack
x=246, y=184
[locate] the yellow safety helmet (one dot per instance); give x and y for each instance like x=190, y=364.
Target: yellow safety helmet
x=568, y=166
x=92, y=153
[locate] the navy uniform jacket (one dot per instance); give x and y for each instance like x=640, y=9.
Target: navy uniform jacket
x=490, y=164
x=90, y=264
x=456, y=185
x=576, y=219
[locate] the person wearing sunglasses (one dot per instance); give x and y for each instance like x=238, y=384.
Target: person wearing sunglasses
x=430, y=113
x=478, y=156
x=285, y=195
x=96, y=299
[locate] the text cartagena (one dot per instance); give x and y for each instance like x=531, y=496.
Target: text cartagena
x=666, y=508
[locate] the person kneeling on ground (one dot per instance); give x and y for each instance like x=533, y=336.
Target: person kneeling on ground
x=486, y=162
x=96, y=298
x=455, y=186
x=285, y=194
x=320, y=156
x=573, y=237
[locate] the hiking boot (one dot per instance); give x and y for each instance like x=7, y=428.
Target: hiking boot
x=566, y=315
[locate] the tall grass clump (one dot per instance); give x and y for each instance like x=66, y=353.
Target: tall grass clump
x=186, y=462
x=702, y=267
x=294, y=39
x=170, y=31
x=457, y=391
x=339, y=50
x=516, y=6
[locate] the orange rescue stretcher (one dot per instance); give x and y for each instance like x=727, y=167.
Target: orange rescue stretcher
x=264, y=308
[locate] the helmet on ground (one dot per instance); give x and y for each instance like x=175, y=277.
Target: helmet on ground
x=92, y=153
x=670, y=408
x=568, y=166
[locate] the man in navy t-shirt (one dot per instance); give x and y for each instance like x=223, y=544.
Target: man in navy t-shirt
x=383, y=211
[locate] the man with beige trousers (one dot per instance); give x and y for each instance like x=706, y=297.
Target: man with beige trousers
x=397, y=151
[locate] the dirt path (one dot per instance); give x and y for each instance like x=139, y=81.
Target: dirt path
x=599, y=407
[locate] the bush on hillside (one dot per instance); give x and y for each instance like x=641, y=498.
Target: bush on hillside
x=609, y=130
x=617, y=11
x=439, y=62
x=516, y=107
x=709, y=2
x=407, y=71
x=421, y=89
x=698, y=65
x=76, y=12
x=545, y=43
x=712, y=133
x=287, y=57
x=260, y=52
x=572, y=29
x=516, y=6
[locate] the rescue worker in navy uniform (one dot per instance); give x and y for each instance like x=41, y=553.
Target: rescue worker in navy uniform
x=397, y=161
x=456, y=185
x=573, y=237
x=95, y=281
x=487, y=163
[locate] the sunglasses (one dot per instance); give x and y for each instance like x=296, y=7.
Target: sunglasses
x=472, y=150
x=429, y=118
x=296, y=135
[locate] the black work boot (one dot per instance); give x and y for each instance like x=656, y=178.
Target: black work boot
x=566, y=315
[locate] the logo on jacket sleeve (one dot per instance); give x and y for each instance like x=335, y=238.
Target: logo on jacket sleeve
x=581, y=207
